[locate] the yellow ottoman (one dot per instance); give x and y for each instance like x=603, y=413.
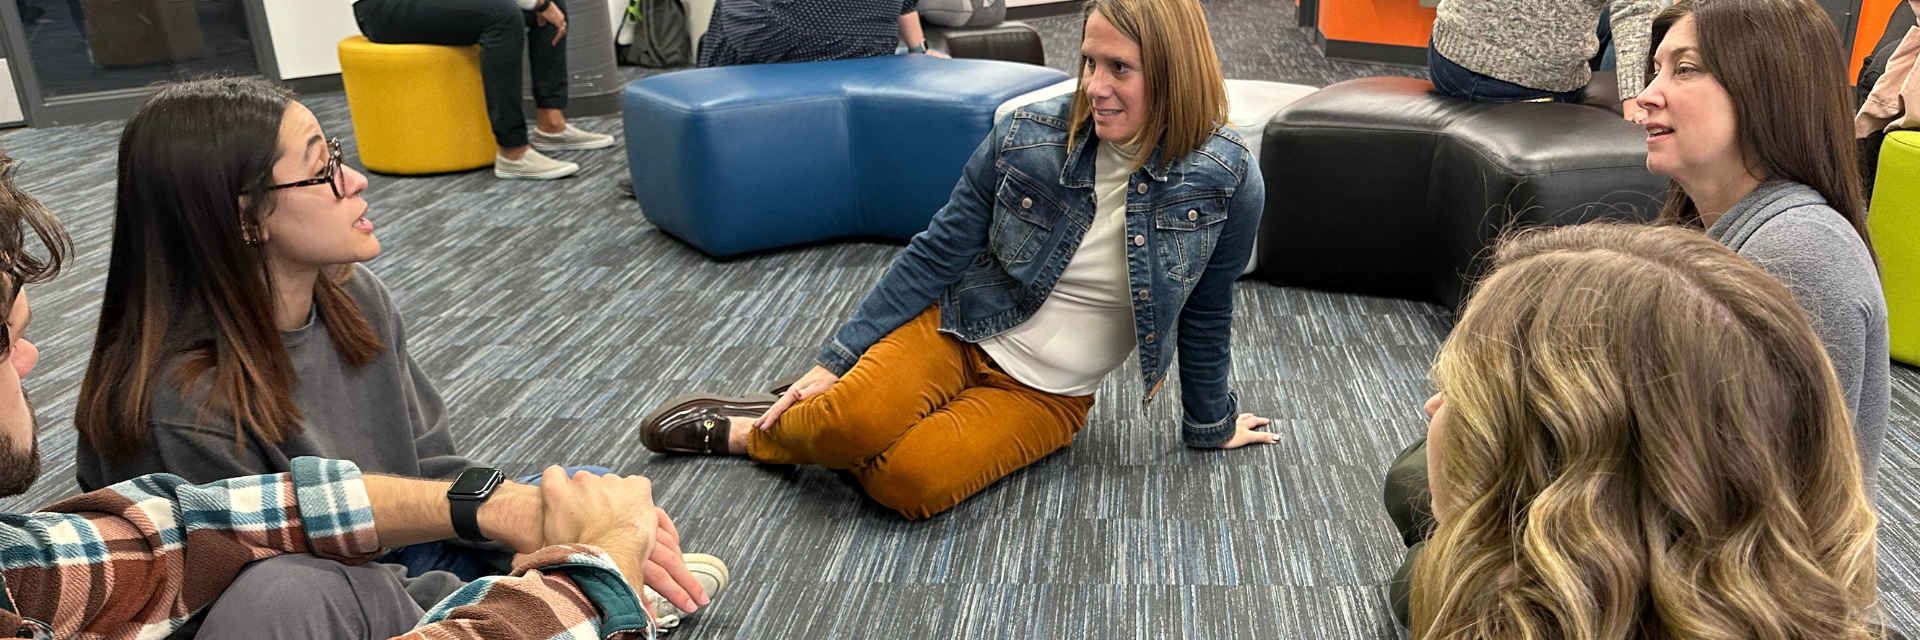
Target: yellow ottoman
x=1895, y=226
x=417, y=108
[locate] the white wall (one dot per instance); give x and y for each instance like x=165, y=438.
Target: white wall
x=306, y=33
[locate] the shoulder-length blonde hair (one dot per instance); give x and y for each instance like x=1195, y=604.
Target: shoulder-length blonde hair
x=1186, y=95
x=1644, y=439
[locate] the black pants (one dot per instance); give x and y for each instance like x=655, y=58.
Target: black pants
x=1410, y=503
x=498, y=26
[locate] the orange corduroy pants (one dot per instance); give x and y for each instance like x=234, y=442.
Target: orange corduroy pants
x=923, y=421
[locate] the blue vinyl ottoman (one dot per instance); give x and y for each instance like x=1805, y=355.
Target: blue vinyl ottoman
x=746, y=158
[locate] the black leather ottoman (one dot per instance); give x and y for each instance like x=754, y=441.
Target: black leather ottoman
x=1011, y=41
x=1379, y=186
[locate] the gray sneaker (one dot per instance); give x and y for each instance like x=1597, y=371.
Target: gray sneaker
x=571, y=138
x=532, y=166
x=712, y=574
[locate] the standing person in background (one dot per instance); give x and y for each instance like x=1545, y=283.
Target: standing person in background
x=499, y=26
x=1535, y=50
x=764, y=31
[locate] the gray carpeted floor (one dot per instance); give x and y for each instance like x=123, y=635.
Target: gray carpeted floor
x=553, y=317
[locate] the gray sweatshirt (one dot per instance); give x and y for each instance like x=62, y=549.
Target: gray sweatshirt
x=1545, y=44
x=385, y=416
x=1787, y=229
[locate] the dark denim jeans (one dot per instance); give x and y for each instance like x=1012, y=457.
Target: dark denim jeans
x=1451, y=79
x=502, y=30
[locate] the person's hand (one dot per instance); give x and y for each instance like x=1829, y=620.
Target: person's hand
x=611, y=512
x=553, y=16
x=667, y=572
x=810, y=385
x=1630, y=109
x=938, y=54
x=1244, y=433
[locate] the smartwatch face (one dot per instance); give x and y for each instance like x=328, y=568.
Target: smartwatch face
x=476, y=483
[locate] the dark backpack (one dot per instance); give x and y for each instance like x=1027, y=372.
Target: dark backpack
x=660, y=36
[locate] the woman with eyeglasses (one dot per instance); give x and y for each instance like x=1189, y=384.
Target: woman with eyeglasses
x=239, y=329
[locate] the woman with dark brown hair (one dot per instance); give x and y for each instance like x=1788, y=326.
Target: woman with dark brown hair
x=1747, y=110
x=239, y=329
x=1637, y=435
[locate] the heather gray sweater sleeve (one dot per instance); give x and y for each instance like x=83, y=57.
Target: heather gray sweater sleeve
x=1788, y=230
x=426, y=411
x=1633, y=41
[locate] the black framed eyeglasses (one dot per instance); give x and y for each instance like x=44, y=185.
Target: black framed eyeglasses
x=331, y=179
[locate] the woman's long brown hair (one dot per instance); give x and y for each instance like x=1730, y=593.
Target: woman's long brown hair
x=186, y=293
x=1643, y=439
x=1781, y=62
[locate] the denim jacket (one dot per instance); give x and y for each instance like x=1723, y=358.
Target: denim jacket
x=1024, y=202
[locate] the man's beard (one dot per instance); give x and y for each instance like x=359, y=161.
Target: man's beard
x=19, y=470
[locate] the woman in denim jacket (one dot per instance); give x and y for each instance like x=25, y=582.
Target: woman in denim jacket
x=1060, y=252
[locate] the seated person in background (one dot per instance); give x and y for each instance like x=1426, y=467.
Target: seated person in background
x=1534, y=50
x=1085, y=228
x=1749, y=113
x=498, y=26
x=176, y=548
x=763, y=31
x=1765, y=171
x=1637, y=435
x=239, y=330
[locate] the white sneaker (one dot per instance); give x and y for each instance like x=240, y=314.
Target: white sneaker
x=571, y=138
x=712, y=574
x=532, y=166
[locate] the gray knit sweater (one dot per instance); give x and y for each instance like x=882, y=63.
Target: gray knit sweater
x=1544, y=44
x=1787, y=229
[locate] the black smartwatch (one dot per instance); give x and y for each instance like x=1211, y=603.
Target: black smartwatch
x=471, y=490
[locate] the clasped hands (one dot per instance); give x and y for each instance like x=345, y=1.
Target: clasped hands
x=616, y=514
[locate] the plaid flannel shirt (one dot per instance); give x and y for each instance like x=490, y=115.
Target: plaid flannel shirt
x=137, y=559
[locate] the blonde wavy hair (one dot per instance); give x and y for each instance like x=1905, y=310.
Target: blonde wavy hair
x=1644, y=439
x=1186, y=94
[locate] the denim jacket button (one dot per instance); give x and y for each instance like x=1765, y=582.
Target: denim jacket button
x=1193, y=214
x=1144, y=294
x=1142, y=188
x=1026, y=203
x=1140, y=241
x=1149, y=338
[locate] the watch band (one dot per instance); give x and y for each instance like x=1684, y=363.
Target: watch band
x=472, y=489
x=466, y=519
x=919, y=49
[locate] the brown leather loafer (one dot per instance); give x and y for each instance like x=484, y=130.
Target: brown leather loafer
x=697, y=422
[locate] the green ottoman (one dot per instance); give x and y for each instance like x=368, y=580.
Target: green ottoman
x=1895, y=226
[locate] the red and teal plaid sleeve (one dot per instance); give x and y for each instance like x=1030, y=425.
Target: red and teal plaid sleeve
x=138, y=558
x=563, y=592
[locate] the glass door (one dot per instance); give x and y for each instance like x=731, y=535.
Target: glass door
x=75, y=52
